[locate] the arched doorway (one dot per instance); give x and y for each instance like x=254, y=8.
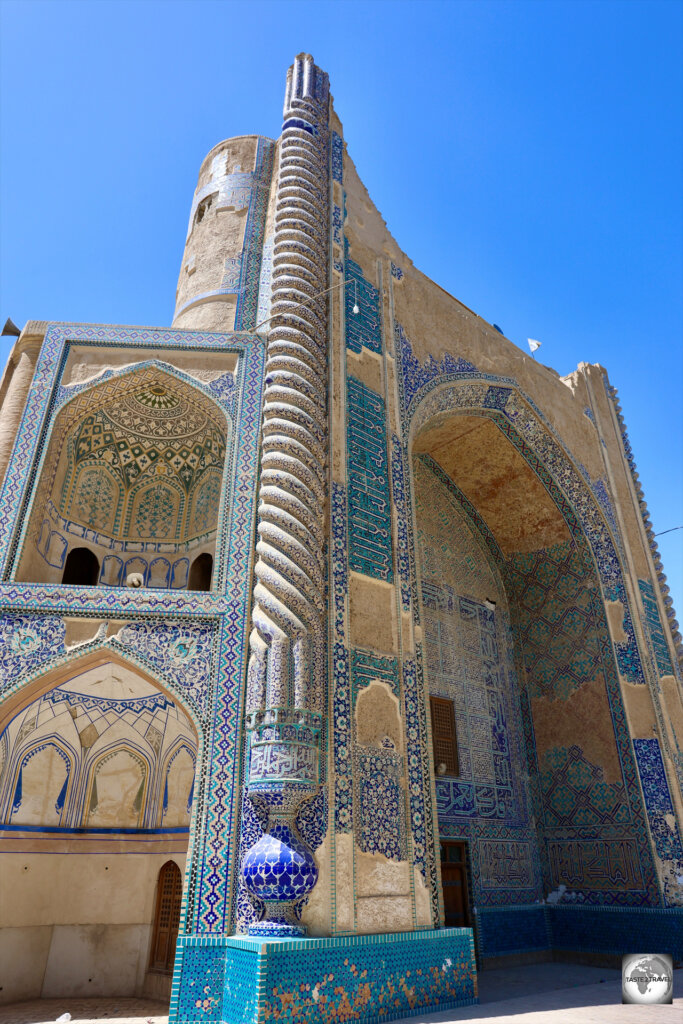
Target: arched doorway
x=166, y=919
x=97, y=782
x=135, y=465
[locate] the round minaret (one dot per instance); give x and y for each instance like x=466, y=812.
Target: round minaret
x=219, y=276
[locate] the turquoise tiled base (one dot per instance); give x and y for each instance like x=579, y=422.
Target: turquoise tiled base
x=508, y=931
x=367, y=978
x=618, y=930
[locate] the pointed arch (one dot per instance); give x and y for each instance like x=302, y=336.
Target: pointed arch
x=16, y=794
x=125, y=460
x=508, y=474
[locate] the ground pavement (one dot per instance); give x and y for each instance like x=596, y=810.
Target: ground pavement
x=533, y=994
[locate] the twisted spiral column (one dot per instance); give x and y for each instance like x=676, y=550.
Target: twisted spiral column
x=284, y=689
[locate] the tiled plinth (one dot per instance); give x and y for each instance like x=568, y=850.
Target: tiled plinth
x=366, y=978
x=511, y=931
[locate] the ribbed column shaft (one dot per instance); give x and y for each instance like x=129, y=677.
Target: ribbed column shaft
x=286, y=643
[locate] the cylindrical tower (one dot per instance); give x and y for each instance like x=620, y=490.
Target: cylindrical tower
x=219, y=276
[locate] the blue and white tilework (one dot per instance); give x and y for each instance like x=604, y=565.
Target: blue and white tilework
x=370, y=547
x=194, y=643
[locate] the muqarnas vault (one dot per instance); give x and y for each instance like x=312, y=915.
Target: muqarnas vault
x=336, y=648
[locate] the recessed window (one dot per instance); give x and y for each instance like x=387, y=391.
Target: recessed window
x=81, y=568
x=444, y=743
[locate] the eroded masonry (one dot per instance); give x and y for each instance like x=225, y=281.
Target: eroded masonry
x=329, y=616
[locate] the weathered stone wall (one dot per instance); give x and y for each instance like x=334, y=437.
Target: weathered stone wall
x=218, y=286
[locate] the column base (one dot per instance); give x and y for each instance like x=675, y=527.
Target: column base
x=365, y=978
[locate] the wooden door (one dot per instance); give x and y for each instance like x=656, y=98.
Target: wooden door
x=167, y=918
x=454, y=883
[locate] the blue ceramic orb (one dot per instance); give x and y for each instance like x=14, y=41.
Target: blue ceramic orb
x=279, y=867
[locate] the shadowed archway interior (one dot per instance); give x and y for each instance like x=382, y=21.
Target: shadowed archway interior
x=516, y=639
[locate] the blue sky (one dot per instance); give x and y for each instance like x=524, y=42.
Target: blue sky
x=527, y=156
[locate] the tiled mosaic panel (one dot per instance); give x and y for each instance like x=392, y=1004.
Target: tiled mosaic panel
x=502, y=931
x=608, y=930
x=197, y=989
x=403, y=534
x=248, y=294
x=370, y=548
x=416, y=375
x=365, y=978
x=381, y=802
x=337, y=158
x=561, y=650
x=207, y=899
x=468, y=659
x=660, y=812
x=378, y=773
x=601, y=849
x=661, y=649
x=617, y=930
x=366, y=666
x=363, y=328
x=179, y=653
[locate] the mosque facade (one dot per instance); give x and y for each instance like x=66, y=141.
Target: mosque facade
x=337, y=658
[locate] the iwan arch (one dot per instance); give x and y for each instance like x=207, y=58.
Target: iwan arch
x=335, y=600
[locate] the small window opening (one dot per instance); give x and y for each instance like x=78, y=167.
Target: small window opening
x=444, y=744
x=204, y=208
x=200, y=572
x=81, y=568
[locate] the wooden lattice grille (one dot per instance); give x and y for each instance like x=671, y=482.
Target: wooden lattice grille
x=169, y=896
x=444, y=742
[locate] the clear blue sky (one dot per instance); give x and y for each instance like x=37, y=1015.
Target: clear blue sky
x=526, y=155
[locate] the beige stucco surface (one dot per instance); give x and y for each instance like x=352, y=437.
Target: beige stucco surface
x=76, y=923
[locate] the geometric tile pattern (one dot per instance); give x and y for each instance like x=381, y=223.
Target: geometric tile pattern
x=503, y=931
x=193, y=642
x=654, y=622
x=246, y=314
x=370, y=548
x=575, y=792
x=359, y=978
x=362, y=328
x=660, y=812
x=554, y=618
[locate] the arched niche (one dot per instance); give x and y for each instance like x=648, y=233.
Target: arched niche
x=81, y=568
x=93, y=748
x=200, y=572
x=98, y=760
x=515, y=635
x=133, y=474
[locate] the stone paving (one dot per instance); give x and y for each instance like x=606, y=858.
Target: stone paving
x=534, y=994
x=86, y=1011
